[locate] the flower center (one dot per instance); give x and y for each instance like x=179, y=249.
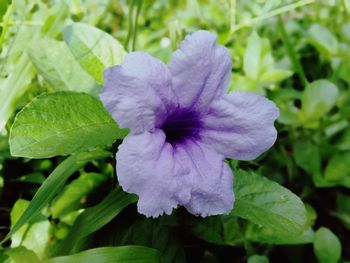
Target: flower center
x=181, y=126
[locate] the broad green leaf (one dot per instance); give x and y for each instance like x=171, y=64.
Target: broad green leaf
x=265, y=235
x=22, y=255
x=73, y=194
x=95, y=217
x=317, y=99
x=52, y=185
x=323, y=39
x=61, y=123
x=156, y=233
x=58, y=66
x=307, y=156
x=94, y=49
x=125, y=254
x=266, y=203
x=337, y=169
x=327, y=247
x=221, y=230
x=258, y=259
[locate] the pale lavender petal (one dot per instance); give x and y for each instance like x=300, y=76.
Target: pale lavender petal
x=138, y=93
x=201, y=70
x=147, y=166
x=212, y=180
x=241, y=125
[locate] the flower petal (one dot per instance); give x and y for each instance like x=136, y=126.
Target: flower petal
x=138, y=93
x=201, y=70
x=241, y=125
x=147, y=166
x=212, y=180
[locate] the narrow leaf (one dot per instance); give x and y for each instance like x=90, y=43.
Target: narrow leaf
x=125, y=254
x=53, y=184
x=96, y=217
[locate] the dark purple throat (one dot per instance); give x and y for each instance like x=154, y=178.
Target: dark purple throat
x=182, y=126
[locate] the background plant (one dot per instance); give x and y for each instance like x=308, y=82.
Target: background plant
x=59, y=194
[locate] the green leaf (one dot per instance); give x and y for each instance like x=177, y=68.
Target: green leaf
x=70, y=198
x=17, y=82
x=323, y=39
x=317, y=99
x=258, y=259
x=127, y=254
x=268, y=204
x=13, y=87
x=337, y=169
x=3, y=9
x=94, y=49
x=252, y=56
x=343, y=209
x=156, y=233
x=343, y=70
x=221, y=230
x=275, y=75
x=265, y=235
x=33, y=235
x=58, y=66
x=95, y=217
x=52, y=185
x=327, y=246
x=61, y=123
x=22, y=255
x=308, y=157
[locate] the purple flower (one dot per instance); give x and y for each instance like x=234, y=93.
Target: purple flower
x=183, y=125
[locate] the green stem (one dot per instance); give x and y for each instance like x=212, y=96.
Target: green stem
x=135, y=24
x=6, y=23
x=131, y=8
x=272, y=13
x=233, y=11
x=291, y=53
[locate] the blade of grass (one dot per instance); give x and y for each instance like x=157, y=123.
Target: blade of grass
x=53, y=184
x=291, y=52
x=126, y=254
x=94, y=218
x=272, y=13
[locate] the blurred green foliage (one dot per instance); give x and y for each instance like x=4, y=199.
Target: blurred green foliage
x=297, y=53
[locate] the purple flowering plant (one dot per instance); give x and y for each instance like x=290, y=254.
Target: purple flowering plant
x=183, y=124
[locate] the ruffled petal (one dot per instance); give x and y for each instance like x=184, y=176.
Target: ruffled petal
x=165, y=176
x=148, y=166
x=241, y=125
x=138, y=93
x=212, y=180
x=201, y=70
